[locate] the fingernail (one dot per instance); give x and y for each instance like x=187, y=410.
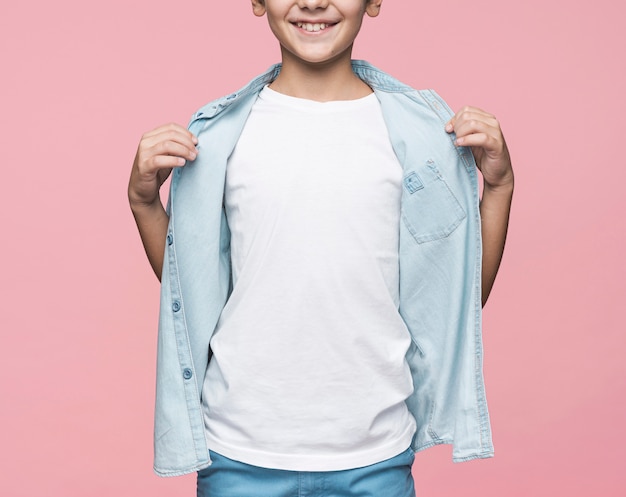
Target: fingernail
x=194, y=139
x=193, y=156
x=449, y=127
x=458, y=141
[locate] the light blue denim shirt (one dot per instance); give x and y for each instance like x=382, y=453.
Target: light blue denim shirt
x=440, y=274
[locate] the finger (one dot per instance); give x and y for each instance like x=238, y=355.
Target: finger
x=468, y=109
x=159, y=162
x=464, y=128
x=482, y=140
x=166, y=127
x=472, y=120
x=171, y=128
x=171, y=142
x=153, y=168
x=469, y=113
x=178, y=135
x=478, y=117
x=163, y=155
x=171, y=147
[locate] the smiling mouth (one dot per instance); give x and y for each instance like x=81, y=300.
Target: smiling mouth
x=313, y=27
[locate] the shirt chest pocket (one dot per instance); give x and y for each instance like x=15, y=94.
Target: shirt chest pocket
x=430, y=209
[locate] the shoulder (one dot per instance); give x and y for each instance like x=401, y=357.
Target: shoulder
x=389, y=90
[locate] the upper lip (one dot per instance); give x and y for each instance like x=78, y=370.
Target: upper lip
x=313, y=21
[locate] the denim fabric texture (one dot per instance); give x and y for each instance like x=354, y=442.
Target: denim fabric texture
x=440, y=274
x=228, y=478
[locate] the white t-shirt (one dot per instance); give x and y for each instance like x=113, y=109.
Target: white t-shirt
x=308, y=369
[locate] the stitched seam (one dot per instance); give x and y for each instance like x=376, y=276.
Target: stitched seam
x=174, y=262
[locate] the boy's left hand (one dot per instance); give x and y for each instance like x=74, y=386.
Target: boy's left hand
x=481, y=131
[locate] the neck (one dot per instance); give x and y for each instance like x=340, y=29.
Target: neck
x=328, y=81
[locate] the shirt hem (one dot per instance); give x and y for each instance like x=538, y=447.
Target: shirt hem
x=170, y=473
x=316, y=462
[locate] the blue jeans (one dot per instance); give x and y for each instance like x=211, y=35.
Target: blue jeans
x=228, y=478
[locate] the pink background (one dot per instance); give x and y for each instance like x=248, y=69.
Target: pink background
x=81, y=81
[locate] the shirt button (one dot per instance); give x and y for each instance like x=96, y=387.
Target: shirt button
x=176, y=306
x=187, y=373
x=170, y=238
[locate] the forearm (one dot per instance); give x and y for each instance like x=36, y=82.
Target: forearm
x=495, y=207
x=152, y=222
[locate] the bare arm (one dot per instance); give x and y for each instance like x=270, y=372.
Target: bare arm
x=495, y=206
x=159, y=151
x=481, y=131
x=152, y=224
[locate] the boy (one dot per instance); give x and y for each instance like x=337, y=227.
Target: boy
x=320, y=262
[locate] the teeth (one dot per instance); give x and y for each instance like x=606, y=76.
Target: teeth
x=312, y=27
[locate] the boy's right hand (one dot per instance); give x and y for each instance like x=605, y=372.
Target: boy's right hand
x=159, y=151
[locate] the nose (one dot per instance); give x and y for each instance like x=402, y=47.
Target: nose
x=312, y=4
